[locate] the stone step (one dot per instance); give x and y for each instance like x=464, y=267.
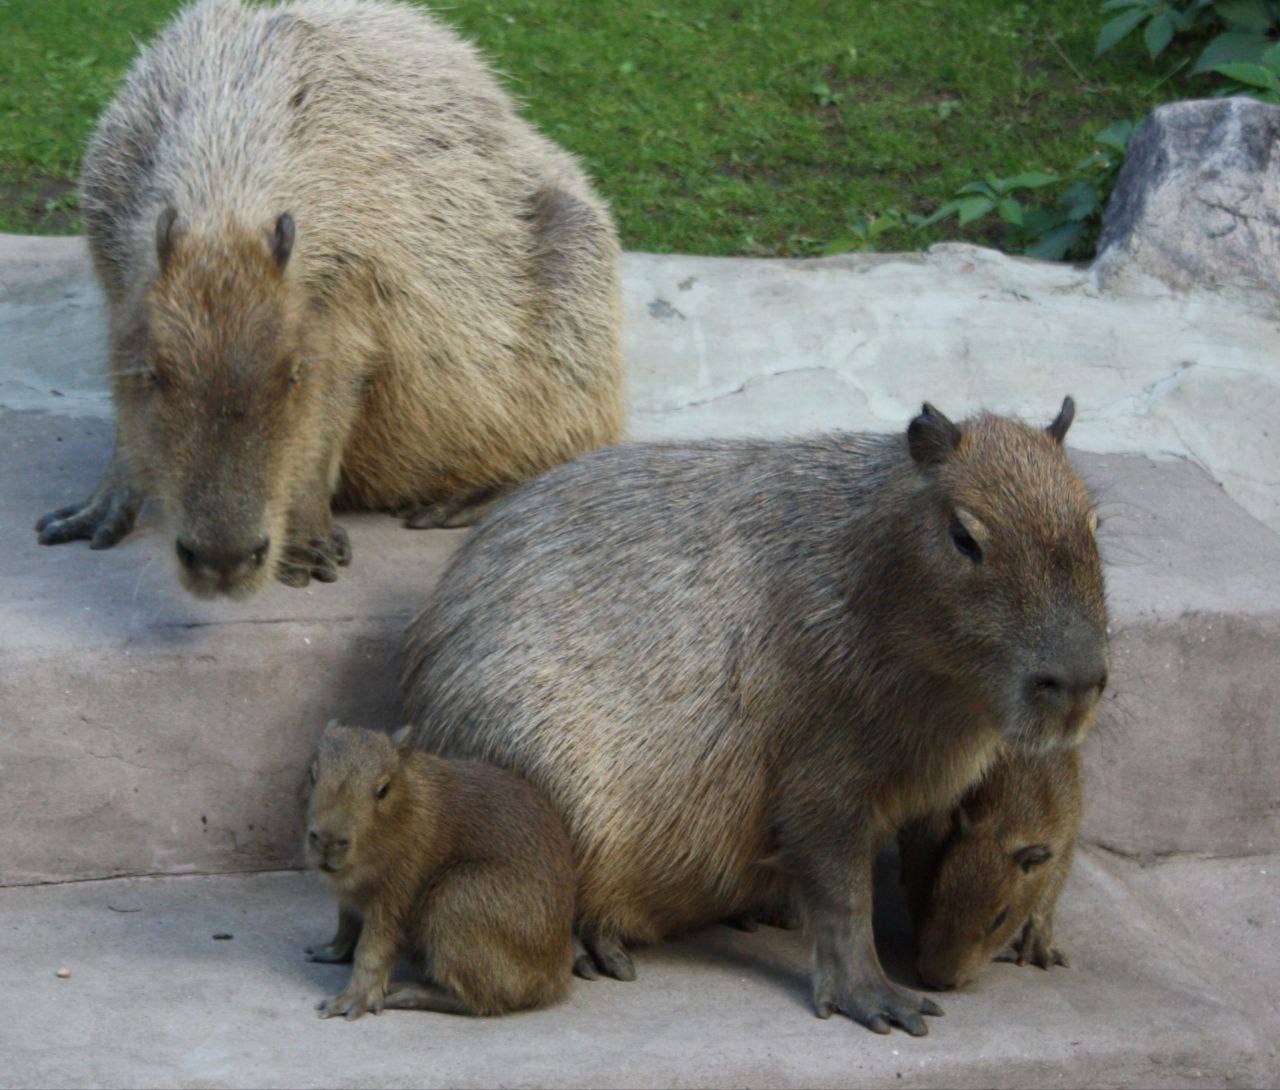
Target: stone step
x=150, y=732
x=146, y=731
x=1172, y=983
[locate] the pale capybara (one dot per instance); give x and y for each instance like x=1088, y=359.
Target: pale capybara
x=338, y=266
x=461, y=866
x=738, y=667
x=987, y=874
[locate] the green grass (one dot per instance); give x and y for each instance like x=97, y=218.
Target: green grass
x=720, y=126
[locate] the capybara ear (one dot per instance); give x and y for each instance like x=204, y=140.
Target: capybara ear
x=400, y=738
x=1032, y=856
x=931, y=437
x=1061, y=422
x=282, y=240
x=167, y=234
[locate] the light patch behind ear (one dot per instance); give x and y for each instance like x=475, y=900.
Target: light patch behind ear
x=400, y=738
x=1033, y=855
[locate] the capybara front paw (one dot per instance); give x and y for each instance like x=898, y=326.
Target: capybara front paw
x=877, y=1006
x=1036, y=947
x=423, y=516
x=317, y=557
x=330, y=953
x=352, y=1003
x=102, y=520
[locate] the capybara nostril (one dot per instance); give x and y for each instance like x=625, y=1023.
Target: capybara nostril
x=225, y=559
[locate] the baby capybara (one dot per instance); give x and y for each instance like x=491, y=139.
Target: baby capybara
x=462, y=866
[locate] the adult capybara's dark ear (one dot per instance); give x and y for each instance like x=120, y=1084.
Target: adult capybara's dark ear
x=931, y=437
x=282, y=239
x=1061, y=422
x=167, y=234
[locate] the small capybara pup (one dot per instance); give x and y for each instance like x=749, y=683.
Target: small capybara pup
x=988, y=873
x=737, y=668
x=338, y=266
x=461, y=866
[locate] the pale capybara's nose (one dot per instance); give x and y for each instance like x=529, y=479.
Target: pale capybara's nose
x=222, y=560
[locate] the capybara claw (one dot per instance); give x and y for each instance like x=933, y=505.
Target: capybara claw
x=880, y=1007
x=102, y=520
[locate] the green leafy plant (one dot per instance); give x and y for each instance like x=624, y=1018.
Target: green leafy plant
x=1261, y=80
x=1241, y=30
x=866, y=230
x=1069, y=209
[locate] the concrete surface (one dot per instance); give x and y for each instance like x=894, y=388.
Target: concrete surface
x=150, y=732
x=145, y=731
x=1155, y=997
x=732, y=346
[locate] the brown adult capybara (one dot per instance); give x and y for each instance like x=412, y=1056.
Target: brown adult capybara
x=462, y=866
x=336, y=262
x=989, y=872
x=740, y=666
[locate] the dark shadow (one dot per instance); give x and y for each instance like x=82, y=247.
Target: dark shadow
x=783, y=957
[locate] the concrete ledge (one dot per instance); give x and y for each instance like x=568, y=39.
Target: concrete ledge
x=149, y=732
x=1168, y=987
x=146, y=731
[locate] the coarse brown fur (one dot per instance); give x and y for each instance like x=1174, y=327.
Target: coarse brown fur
x=989, y=872
x=336, y=261
x=740, y=666
x=462, y=866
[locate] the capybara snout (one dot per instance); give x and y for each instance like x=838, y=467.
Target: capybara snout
x=215, y=403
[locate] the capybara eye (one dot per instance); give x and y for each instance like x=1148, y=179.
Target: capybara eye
x=382, y=791
x=312, y=772
x=963, y=540
x=1004, y=915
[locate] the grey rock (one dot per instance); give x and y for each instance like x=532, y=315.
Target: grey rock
x=1198, y=199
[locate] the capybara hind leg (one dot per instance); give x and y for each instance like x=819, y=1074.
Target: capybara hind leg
x=423, y=997
x=104, y=518
x=458, y=511
x=607, y=954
